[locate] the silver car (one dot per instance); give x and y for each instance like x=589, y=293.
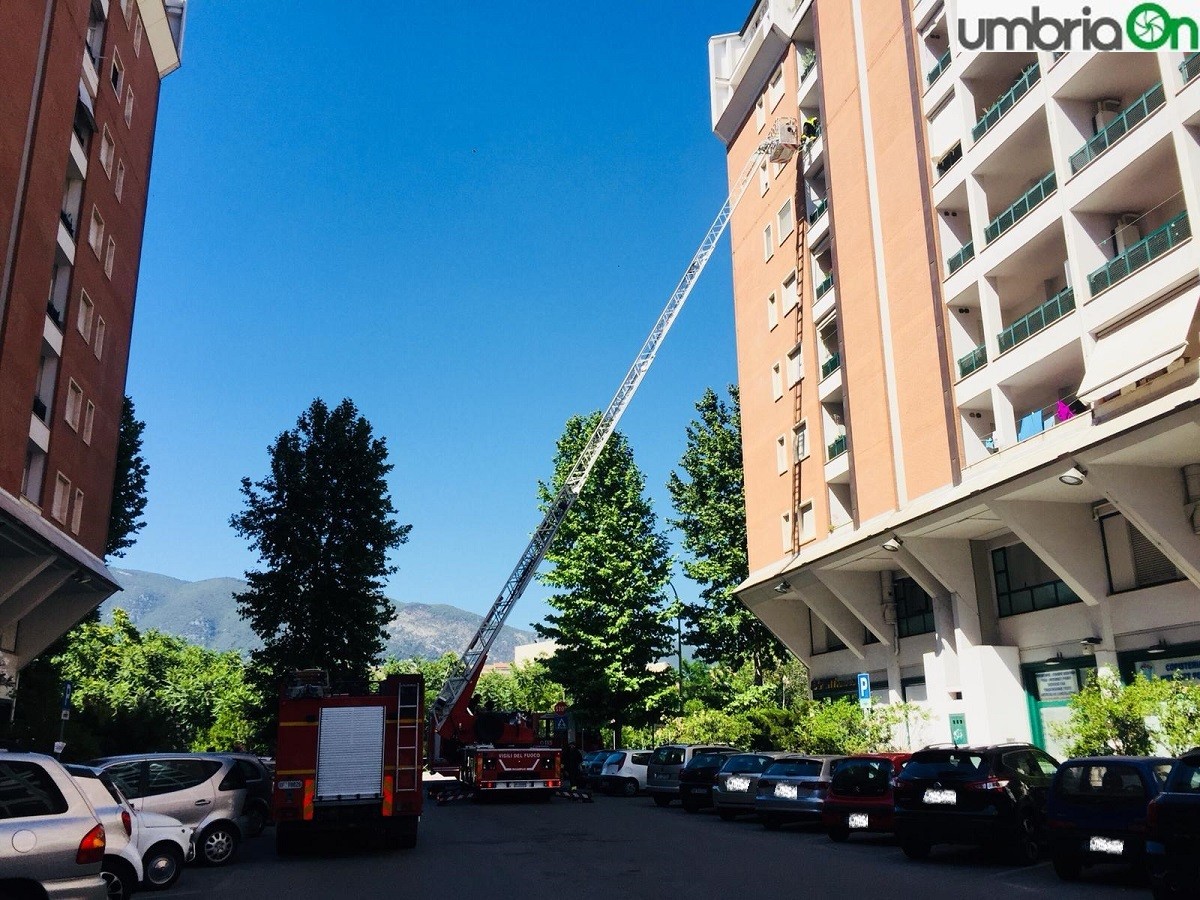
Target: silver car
x=793, y=788
x=51, y=841
x=206, y=791
x=662, y=772
x=737, y=783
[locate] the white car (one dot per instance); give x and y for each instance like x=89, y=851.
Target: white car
x=146, y=849
x=624, y=772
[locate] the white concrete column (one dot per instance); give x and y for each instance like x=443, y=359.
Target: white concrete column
x=991, y=317
x=949, y=560
x=1006, y=417
x=943, y=613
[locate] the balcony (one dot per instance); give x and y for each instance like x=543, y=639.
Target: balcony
x=1031, y=323
x=807, y=62
x=973, y=361
x=961, y=258
x=68, y=222
x=936, y=72
x=39, y=408
x=1190, y=67
x=1042, y=420
x=836, y=449
x=818, y=210
x=1007, y=101
x=824, y=287
x=1021, y=208
x=831, y=365
x=1141, y=254
x=1118, y=127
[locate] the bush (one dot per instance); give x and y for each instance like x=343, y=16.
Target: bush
x=1149, y=715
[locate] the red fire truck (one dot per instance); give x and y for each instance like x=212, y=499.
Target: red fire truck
x=348, y=759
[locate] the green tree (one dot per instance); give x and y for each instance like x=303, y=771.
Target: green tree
x=129, y=484
x=322, y=524
x=611, y=567
x=526, y=687
x=711, y=507
x=436, y=671
x=1110, y=717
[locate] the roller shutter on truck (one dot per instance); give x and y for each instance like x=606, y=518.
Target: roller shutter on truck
x=350, y=753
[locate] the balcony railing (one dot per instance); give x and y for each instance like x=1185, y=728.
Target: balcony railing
x=976, y=359
x=1117, y=128
x=1190, y=67
x=39, y=408
x=936, y=72
x=818, y=210
x=836, y=449
x=68, y=222
x=55, y=314
x=823, y=287
x=1042, y=420
x=957, y=261
x=1021, y=207
x=1007, y=101
x=946, y=163
x=1144, y=252
x=1032, y=322
x=831, y=365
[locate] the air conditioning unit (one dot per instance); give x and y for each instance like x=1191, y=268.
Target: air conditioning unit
x=1106, y=111
x=1126, y=232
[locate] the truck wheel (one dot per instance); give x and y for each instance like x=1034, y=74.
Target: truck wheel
x=662, y=799
x=218, y=842
x=401, y=835
x=163, y=864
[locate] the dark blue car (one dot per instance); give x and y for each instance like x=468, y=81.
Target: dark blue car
x=1096, y=810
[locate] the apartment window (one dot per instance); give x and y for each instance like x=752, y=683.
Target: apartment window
x=126, y=8
x=116, y=75
x=77, y=513
x=31, y=477
x=108, y=257
x=96, y=232
x=138, y=30
x=1132, y=560
x=800, y=441
x=128, y=105
x=84, y=320
x=1025, y=584
x=772, y=312
x=785, y=529
x=776, y=382
x=119, y=186
x=914, y=608
x=98, y=343
x=62, y=498
x=790, y=295
x=764, y=181
x=807, y=522
x=89, y=420
x=74, y=404
x=775, y=91
x=108, y=151
x=795, y=365
x=786, y=220
x=768, y=243
x=760, y=113
x=781, y=454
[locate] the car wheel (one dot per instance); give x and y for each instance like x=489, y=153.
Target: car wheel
x=630, y=788
x=255, y=816
x=1026, y=849
x=771, y=822
x=839, y=834
x=662, y=799
x=727, y=815
x=218, y=843
x=1067, y=867
x=119, y=878
x=914, y=848
x=163, y=864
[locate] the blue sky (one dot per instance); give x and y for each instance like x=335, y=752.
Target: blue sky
x=465, y=218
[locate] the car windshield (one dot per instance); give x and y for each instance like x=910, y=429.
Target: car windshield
x=866, y=777
x=615, y=759
x=667, y=756
x=792, y=768
x=707, y=761
x=946, y=765
x=746, y=763
x=1185, y=777
x=1096, y=781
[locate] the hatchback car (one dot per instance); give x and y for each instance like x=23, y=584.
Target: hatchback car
x=1096, y=810
x=994, y=796
x=662, y=774
x=204, y=790
x=697, y=777
x=860, y=795
x=260, y=780
x=53, y=842
x=793, y=789
x=1173, y=838
x=624, y=772
x=737, y=783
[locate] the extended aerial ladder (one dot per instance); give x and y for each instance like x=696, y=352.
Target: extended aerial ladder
x=450, y=707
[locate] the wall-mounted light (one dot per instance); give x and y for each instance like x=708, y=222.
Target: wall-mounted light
x=782, y=588
x=1055, y=660
x=893, y=544
x=1159, y=648
x=1089, y=644
x=1073, y=476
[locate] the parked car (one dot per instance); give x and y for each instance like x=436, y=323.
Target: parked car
x=860, y=795
x=147, y=849
x=624, y=772
x=260, y=781
x=51, y=841
x=1173, y=831
x=662, y=773
x=696, y=779
x=737, y=783
x=994, y=796
x=793, y=788
x=593, y=766
x=206, y=791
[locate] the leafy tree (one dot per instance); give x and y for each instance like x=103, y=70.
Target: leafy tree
x=129, y=484
x=611, y=567
x=1110, y=717
x=711, y=509
x=527, y=687
x=436, y=671
x=322, y=524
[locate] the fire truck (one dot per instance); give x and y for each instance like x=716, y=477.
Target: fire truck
x=348, y=759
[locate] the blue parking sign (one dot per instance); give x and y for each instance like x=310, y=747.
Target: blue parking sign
x=864, y=688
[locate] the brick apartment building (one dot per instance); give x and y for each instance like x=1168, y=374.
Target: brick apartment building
x=79, y=94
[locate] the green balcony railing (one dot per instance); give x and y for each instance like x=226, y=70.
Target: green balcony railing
x=1032, y=322
x=936, y=72
x=1190, y=67
x=976, y=359
x=818, y=210
x=1007, y=101
x=831, y=365
x=1118, y=127
x=836, y=449
x=823, y=287
x=1144, y=252
x=1021, y=207
x=957, y=261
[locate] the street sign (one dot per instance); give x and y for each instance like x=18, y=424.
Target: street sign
x=66, y=696
x=59, y=747
x=66, y=714
x=958, y=728
x=864, y=688
x=560, y=723
x=560, y=708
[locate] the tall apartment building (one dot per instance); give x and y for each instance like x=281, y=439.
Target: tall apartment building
x=968, y=351
x=79, y=94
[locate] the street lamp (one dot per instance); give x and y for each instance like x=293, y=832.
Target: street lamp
x=678, y=644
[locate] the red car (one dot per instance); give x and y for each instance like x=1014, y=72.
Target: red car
x=860, y=794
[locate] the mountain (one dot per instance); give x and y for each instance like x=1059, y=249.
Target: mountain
x=205, y=613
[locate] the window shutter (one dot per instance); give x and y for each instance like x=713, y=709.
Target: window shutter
x=1150, y=566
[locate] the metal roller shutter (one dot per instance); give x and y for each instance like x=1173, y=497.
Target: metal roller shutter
x=350, y=753
x=1151, y=566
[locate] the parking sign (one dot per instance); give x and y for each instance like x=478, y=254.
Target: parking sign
x=864, y=688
